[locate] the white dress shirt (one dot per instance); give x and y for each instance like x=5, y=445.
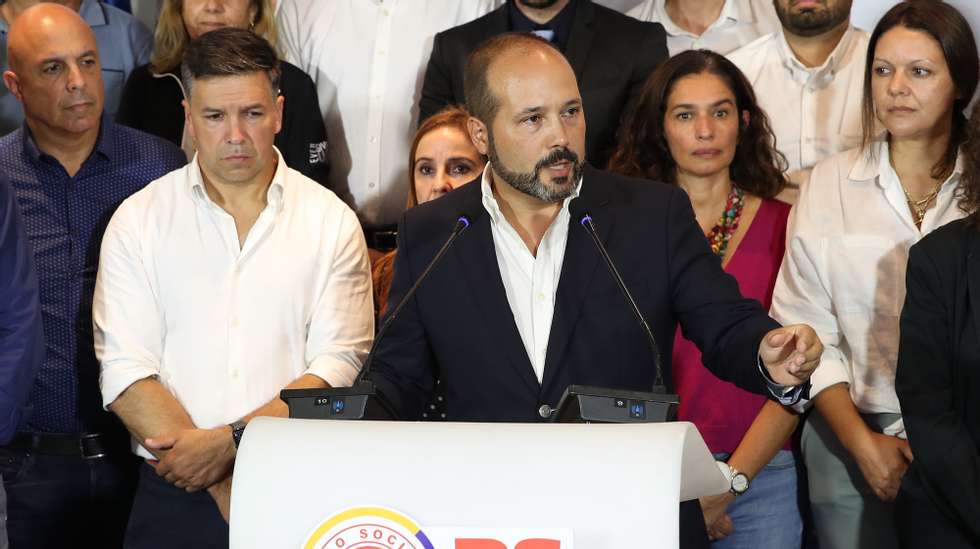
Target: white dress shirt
x=225, y=327
x=814, y=112
x=530, y=282
x=740, y=22
x=847, y=245
x=367, y=59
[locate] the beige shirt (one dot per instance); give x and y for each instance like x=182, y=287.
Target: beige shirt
x=843, y=273
x=740, y=22
x=815, y=112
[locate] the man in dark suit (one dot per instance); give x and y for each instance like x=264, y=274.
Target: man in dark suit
x=522, y=305
x=612, y=55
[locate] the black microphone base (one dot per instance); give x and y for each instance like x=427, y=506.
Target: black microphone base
x=362, y=401
x=584, y=404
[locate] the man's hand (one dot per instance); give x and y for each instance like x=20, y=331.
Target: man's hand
x=221, y=493
x=716, y=519
x=194, y=459
x=791, y=353
x=883, y=461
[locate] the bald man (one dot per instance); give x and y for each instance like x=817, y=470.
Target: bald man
x=541, y=310
x=124, y=44
x=68, y=471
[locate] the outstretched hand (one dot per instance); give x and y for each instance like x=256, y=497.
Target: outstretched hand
x=791, y=354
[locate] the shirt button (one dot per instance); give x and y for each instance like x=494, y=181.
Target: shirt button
x=374, y=140
x=540, y=296
x=234, y=322
x=234, y=374
x=371, y=185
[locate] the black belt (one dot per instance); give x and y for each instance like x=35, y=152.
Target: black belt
x=86, y=446
x=383, y=239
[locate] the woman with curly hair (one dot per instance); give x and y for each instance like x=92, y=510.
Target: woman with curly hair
x=697, y=125
x=938, y=376
x=844, y=273
x=151, y=100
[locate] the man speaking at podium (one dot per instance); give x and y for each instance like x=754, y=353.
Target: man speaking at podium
x=521, y=306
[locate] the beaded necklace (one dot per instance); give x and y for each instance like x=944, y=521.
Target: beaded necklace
x=722, y=232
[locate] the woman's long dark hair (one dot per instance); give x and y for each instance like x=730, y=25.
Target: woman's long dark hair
x=969, y=187
x=757, y=167
x=951, y=31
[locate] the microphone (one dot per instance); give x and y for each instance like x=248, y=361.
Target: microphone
x=595, y=404
x=362, y=400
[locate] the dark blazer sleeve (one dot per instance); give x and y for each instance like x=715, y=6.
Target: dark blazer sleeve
x=945, y=452
x=650, y=55
x=21, y=336
x=403, y=365
x=437, y=85
x=303, y=138
x=725, y=326
x=132, y=103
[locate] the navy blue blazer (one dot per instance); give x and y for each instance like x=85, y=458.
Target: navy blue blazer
x=459, y=326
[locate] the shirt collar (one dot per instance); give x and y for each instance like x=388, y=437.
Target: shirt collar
x=103, y=143
x=93, y=13
x=274, y=195
x=816, y=77
x=732, y=13
x=493, y=207
x=876, y=164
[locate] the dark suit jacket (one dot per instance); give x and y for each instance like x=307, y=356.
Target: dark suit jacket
x=460, y=326
x=938, y=382
x=612, y=55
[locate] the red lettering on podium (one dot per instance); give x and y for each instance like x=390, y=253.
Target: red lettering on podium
x=539, y=544
x=479, y=544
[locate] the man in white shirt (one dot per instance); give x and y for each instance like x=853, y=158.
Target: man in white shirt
x=367, y=58
x=220, y=284
x=809, y=78
x=718, y=25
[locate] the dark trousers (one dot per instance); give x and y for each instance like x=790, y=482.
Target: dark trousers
x=67, y=501
x=167, y=517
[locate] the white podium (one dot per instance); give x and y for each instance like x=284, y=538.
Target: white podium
x=605, y=486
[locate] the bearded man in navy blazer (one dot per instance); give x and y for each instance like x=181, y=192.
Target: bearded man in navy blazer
x=521, y=307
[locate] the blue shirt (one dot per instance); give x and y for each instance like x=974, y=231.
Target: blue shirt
x=21, y=335
x=65, y=218
x=124, y=43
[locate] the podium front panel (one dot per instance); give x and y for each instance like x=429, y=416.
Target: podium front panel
x=611, y=486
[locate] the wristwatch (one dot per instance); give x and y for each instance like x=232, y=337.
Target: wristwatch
x=237, y=430
x=738, y=482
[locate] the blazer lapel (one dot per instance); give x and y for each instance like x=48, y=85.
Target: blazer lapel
x=580, y=39
x=476, y=253
x=973, y=279
x=581, y=261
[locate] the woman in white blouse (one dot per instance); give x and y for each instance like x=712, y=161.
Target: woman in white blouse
x=844, y=268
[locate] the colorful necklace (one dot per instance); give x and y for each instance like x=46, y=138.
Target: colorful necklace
x=722, y=232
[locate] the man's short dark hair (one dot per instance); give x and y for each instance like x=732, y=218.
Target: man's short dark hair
x=480, y=101
x=229, y=52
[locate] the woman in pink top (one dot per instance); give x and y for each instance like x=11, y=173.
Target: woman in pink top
x=697, y=125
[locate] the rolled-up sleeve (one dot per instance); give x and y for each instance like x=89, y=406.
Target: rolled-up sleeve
x=21, y=334
x=800, y=295
x=126, y=314
x=342, y=325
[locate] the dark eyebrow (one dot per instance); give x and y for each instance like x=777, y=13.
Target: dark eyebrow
x=725, y=101
x=89, y=53
x=252, y=107
x=529, y=110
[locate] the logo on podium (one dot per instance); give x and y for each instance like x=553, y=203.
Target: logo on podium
x=368, y=528
x=377, y=527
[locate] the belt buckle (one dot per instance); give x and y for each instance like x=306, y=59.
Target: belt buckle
x=89, y=446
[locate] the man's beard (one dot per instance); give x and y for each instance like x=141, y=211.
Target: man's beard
x=813, y=22
x=531, y=184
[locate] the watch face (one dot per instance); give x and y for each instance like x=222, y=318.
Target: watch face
x=740, y=483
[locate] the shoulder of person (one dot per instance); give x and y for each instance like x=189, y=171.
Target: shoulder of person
x=748, y=54
x=148, y=148
x=951, y=243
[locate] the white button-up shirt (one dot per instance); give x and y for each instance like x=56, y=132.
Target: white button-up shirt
x=814, y=112
x=368, y=58
x=530, y=282
x=225, y=327
x=740, y=22
x=847, y=247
